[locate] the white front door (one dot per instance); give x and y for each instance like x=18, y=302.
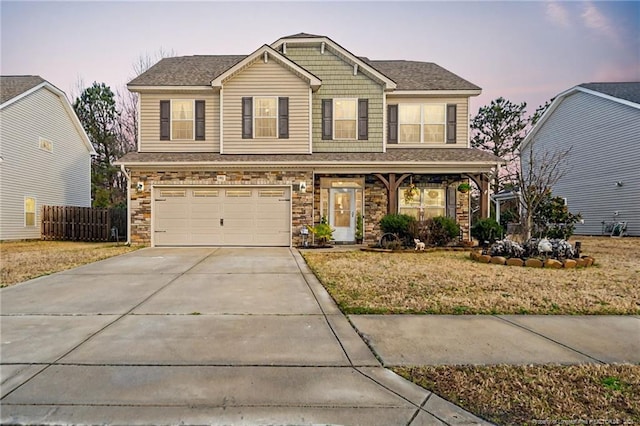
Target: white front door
x=342, y=206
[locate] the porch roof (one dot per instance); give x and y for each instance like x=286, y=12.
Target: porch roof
x=397, y=159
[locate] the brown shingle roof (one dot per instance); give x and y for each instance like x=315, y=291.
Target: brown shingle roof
x=199, y=70
x=196, y=70
x=14, y=85
x=413, y=75
x=406, y=155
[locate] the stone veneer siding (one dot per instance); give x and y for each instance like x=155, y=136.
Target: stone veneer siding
x=301, y=203
x=375, y=203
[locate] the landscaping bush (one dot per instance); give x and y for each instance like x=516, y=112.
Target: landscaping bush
x=399, y=224
x=440, y=231
x=486, y=231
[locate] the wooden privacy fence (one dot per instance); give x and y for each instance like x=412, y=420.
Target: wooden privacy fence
x=83, y=223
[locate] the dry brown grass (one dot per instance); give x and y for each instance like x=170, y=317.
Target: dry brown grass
x=519, y=395
x=451, y=283
x=24, y=260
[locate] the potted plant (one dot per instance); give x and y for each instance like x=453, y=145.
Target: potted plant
x=359, y=228
x=322, y=232
x=464, y=187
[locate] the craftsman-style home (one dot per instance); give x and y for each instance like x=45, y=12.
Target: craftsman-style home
x=248, y=150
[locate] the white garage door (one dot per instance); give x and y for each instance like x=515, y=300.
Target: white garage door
x=234, y=216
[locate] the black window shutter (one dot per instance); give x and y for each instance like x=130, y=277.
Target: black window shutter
x=247, y=118
x=165, y=126
x=392, y=121
x=363, y=119
x=199, y=120
x=451, y=123
x=451, y=202
x=283, y=118
x=327, y=119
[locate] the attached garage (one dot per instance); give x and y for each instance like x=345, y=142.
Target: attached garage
x=222, y=216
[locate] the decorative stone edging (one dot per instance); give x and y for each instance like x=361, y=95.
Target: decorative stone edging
x=582, y=262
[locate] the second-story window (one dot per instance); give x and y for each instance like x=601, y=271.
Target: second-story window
x=265, y=117
x=182, y=119
x=422, y=123
x=345, y=118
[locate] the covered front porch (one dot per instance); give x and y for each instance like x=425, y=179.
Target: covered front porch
x=354, y=204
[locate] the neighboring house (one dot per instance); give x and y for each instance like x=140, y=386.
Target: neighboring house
x=248, y=150
x=600, y=124
x=46, y=155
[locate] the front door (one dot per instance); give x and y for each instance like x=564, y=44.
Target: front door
x=342, y=203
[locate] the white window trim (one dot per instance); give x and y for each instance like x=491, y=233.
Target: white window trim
x=254, y=116
x=423, y=191
x=423, y=123
x=334, y=119
x=35, y=212
x=193, y=120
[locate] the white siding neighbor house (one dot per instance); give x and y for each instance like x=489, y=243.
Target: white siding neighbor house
x=45, y=155
x=600, y=122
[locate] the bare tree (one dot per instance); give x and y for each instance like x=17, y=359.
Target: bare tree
x=539, y=172
x=128, y=101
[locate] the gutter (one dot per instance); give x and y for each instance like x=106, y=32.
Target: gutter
x=124, y=172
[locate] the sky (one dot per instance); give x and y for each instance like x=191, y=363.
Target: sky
x=522, y=51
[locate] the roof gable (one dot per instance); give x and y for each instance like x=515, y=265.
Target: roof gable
x=628, y=90
x=267, y=52
x=309, y=38
x=20, y=84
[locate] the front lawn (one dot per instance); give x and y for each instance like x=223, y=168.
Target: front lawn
x=24, y=260
x=451, y=283
x=535, y=395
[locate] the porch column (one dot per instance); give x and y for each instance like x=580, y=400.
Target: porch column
x=392, y=184
x=482, y=180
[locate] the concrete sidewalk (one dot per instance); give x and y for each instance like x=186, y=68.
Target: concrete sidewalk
x=501, y=339
x=196, y=336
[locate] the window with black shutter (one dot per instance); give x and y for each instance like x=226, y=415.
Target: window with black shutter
x=451, y=123
x=327, y=119
x=247, y=118
x=165, y=115
x=392, y=124
x=200, y=121
x=283, y=118
x=363, y=119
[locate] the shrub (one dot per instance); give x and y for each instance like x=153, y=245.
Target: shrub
x=322, y=232
x=486, y=230
x=399, y=224
x=440, y=231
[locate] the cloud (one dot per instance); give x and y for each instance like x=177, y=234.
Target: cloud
x=595, y=20
x=557, y=14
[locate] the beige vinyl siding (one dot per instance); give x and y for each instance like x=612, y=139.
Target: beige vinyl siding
x=270, y=79
x=150, y=123
x=462, y=118
x=60, y=177
x=338, y=81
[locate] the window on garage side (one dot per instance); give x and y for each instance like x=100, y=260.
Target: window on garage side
x=182, y=119
x=265, y=117
x=29, y=211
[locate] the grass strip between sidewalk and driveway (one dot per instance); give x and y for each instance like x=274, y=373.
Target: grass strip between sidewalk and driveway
x=448, y=282
x=25, y=260
x=535, y=395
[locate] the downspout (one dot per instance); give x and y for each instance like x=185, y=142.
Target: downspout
x=124, y=172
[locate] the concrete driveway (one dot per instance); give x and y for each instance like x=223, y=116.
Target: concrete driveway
x=196, y=336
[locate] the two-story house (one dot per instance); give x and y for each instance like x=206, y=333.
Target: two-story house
x=45, y=155
x=248, y=150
